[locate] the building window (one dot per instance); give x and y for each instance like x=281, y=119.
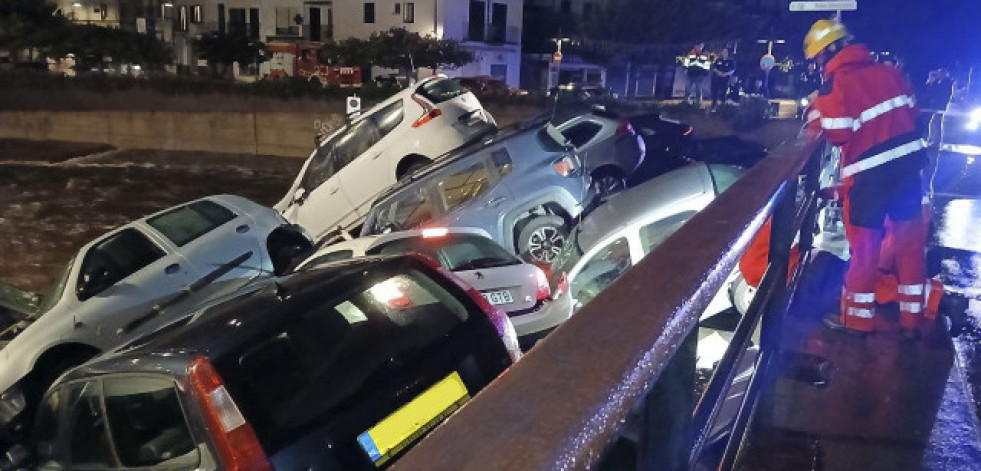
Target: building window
x=221, y=19
x=236, y=22
x=197, y=15
x=182, y=18
x=369, y=12
x=478, y=12
x=499, y=20
x=398, y=8
x=410, y=13
x=254, y=23
x=285, y=23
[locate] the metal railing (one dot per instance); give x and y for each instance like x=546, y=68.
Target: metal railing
x=563, y=404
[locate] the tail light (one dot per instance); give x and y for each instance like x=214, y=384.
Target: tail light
x=236, y=443
x=542, y=290
x=625, y=128
x=435, y=232
x=565, y=165
x=425, y=118
x=505, y=329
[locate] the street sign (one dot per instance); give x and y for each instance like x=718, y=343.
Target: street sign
x=353, y=105
x=843, y=5
x=557, y=57
x=767, y=62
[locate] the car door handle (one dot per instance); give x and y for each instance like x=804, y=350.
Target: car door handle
x=243, y=228
x=335, y=190
x=493, y=202
x=172, y=268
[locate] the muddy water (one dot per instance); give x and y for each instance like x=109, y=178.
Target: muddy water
x=48, y=211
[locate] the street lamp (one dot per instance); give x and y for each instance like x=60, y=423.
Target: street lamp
x=557, y=60
x=77, y=5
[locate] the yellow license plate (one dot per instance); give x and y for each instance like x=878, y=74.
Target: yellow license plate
x=402, y=427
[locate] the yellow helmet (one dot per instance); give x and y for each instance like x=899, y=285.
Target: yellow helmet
x=822, y=34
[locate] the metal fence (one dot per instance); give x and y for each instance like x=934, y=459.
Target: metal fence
x=631, y=348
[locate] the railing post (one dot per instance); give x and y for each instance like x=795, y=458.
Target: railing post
x=666, y=434
x=782, y=236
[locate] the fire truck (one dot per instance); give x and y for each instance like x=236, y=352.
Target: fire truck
x=299, y=59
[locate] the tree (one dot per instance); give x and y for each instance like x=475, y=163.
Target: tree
x=222, y=50
x=399, y=49
x=29, y=25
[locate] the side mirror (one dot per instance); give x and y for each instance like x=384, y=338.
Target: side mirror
x=94, y=281
x=299, y=196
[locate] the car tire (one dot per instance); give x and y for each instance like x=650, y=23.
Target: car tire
x=607, y=182
x=541, y=240
x=741, y=294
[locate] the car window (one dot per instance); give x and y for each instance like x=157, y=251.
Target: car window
x=440, y=90
x=330, y=257
x=461, y=185
x=581, y=133
x=551, y=139
x=88, y=441
x=388, y=118
x=147, y=422
x=654, y=233
x=117, y=257
x=405, y=210
x=186, y=223
x=723, y=176
x=502, y=160
x=601, y=271
x=324, y=356
x=321, y=166
x=452, y=251
x=361, y=136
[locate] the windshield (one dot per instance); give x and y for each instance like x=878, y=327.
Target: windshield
x=58, y=289
x=405, y=210
x=569, y=256
x=456, y=252
x=440, y=90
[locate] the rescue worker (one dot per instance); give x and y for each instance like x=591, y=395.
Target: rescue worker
x=869, y=111
x=697, y=64
x=722, y=70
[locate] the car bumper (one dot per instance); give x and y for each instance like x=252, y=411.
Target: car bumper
x=551, y=314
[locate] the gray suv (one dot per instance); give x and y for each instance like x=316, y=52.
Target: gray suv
x=525, y=187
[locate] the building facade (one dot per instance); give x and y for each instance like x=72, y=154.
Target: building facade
x=491, y=29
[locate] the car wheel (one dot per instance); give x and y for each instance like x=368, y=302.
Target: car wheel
x=608, y=182
x=542, y=239
x=741, y=294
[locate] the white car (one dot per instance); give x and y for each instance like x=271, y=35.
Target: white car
x=519, y=288
x=618, y=234
x=139, y=277
x=406, y=132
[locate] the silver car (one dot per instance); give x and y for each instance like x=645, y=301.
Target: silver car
x=610, y=149
x=139, y=277
x=520, y=289
x=523, y=187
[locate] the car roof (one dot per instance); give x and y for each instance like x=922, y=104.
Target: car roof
x=628, y=206
x=361, y=245
x=456, y=155
x=168, y=350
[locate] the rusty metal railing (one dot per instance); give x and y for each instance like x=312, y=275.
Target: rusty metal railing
x=563, y=403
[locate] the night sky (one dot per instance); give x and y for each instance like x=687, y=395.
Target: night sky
x=926, y=33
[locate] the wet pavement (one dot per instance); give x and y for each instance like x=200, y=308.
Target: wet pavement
x=51, y=205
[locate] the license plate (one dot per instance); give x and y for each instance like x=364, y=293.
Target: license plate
x=400, y=429
x=498, y=297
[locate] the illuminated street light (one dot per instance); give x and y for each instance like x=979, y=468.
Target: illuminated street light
x=168, y=5
x=77, y=5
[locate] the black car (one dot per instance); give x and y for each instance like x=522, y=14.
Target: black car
x=340, y=367
x=669, y=145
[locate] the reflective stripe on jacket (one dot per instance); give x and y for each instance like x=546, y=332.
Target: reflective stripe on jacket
x=868, y=110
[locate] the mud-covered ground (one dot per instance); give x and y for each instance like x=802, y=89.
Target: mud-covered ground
x=55, y=197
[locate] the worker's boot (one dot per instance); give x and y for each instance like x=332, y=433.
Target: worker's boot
x=857, y=314
x=911, y=304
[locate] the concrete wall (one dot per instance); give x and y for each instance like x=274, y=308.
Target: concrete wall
x=288, y=134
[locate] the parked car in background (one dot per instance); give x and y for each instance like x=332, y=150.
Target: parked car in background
x=343, y=367
x=520, y=289
x=402, y=134
x=137, y=278
x=668, y=143
x=574, y=92
x=485, y=85
x=606, y=142
x=523, y=187
x=617, y=234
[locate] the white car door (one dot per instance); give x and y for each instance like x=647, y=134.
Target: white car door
x=120, y=280
x=219, y=242
x=322, y=205
x=373, y=170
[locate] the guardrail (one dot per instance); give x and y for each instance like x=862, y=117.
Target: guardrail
x=562, y=405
